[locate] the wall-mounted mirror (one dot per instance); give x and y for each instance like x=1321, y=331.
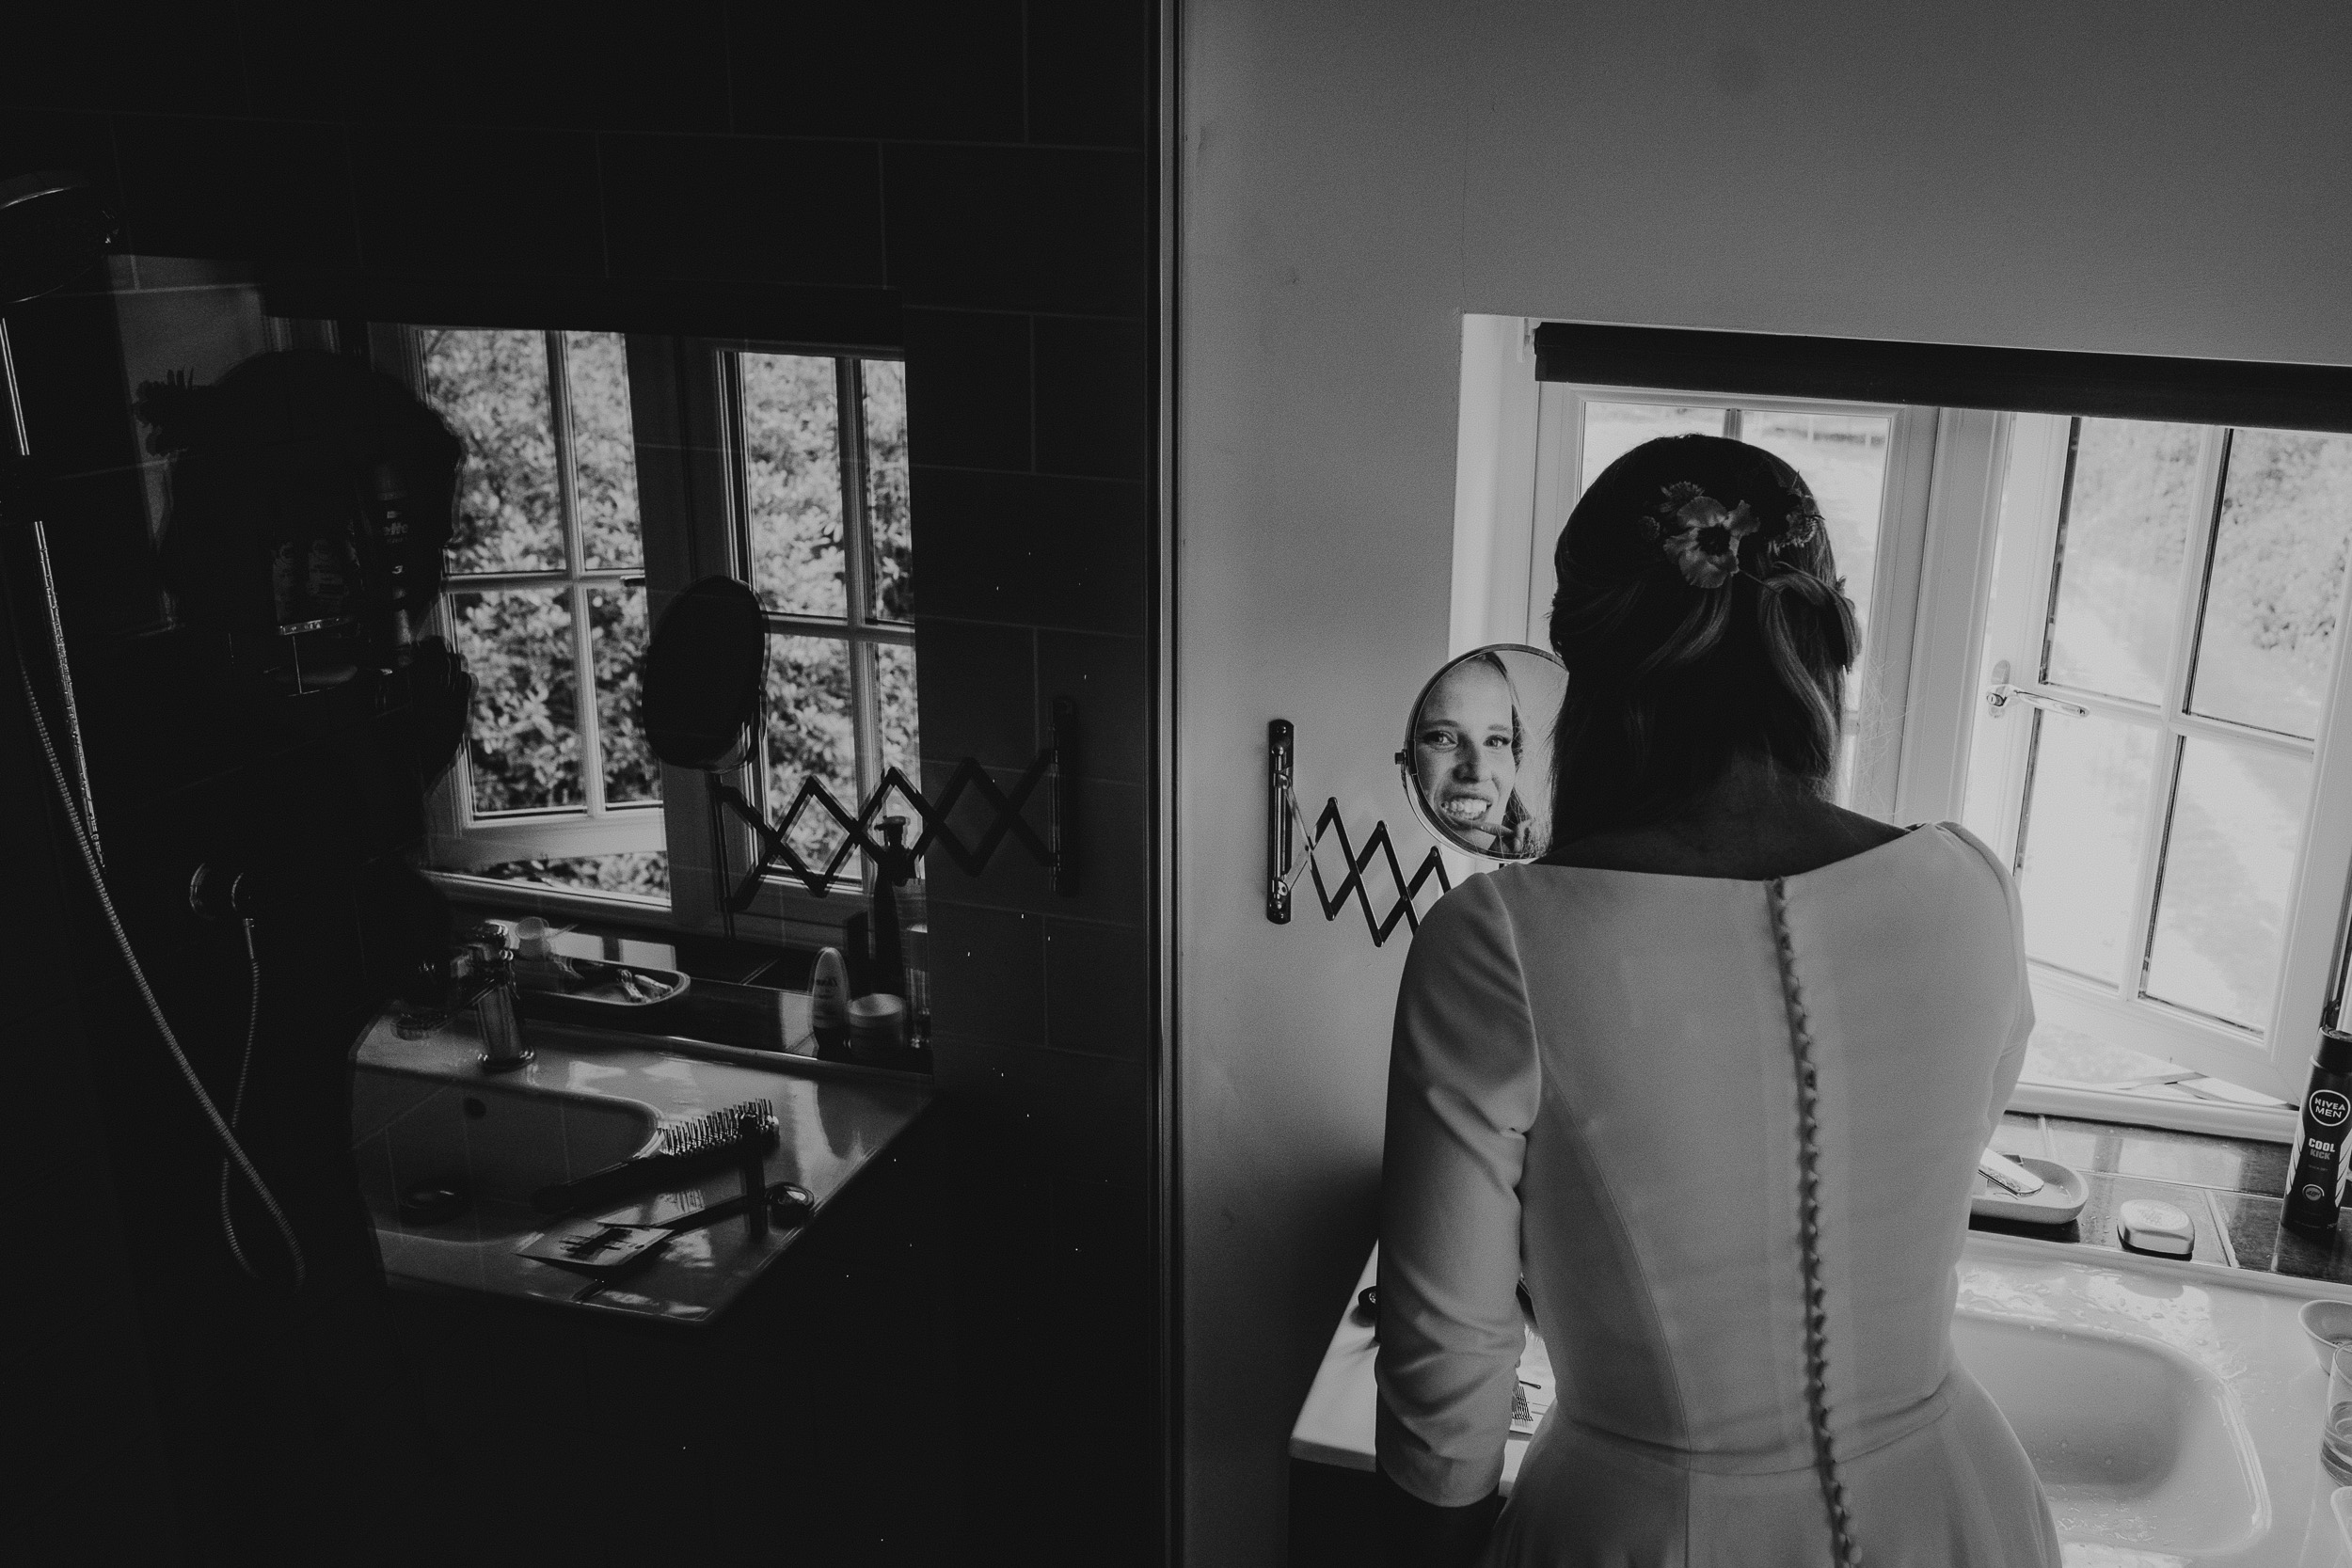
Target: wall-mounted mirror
x=1477, y=754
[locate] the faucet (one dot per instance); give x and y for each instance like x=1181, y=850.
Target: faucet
x=490, y=993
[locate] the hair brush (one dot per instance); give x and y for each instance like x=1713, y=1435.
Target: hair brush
x=684, y=1148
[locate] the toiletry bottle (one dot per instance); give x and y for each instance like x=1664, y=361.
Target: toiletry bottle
x=897, y=865
x=2315, y=1183
x=828, y=1003
x=857, y=954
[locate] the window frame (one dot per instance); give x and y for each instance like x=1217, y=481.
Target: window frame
x=690, y=430
x=2017, y=621
x=1903, y=500
x=1977, y=397
x=459, y=842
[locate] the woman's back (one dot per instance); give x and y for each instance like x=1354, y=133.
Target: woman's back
x=1595, y=1081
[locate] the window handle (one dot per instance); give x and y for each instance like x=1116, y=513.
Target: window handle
x=1997, y=699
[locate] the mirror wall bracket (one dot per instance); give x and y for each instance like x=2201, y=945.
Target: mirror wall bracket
x=1057, y=849
x=1287, y=835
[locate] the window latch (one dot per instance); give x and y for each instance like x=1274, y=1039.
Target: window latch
x=1997, y=699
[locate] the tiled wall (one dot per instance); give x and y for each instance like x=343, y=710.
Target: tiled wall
x=989, y=163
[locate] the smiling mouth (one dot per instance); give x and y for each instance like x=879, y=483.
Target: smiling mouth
x=1466, y=807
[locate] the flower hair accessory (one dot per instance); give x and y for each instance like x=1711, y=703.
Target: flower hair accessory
x=1698, y=534
x=1702, y=537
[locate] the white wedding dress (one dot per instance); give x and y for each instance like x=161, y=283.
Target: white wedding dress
x=1594, y=1084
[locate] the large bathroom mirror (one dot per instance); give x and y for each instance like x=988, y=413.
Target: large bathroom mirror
x=1477, y=754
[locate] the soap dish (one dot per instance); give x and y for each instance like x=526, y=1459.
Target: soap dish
x=2063, y=1196
x=600, y=985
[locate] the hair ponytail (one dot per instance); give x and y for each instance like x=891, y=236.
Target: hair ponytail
x=1806, y=627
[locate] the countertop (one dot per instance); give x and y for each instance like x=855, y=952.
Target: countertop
x=433, y=1104
x=2237, y=1325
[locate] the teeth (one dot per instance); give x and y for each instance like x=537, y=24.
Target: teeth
x=1466, y=810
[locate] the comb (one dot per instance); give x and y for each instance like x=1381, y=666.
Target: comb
x=682, y=1149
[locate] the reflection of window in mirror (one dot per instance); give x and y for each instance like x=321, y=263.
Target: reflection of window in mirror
x=2182, y=843
x=547, y=593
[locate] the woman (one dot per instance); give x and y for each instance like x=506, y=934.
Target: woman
x=1467, y=745
x=1713, y=1076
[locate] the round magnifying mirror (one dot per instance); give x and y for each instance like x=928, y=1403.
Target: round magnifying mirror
x=1477, y=756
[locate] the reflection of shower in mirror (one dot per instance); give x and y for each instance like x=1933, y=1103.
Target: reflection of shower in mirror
x=1477, y=754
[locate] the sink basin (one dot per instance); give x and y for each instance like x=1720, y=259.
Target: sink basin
x=425, y=1113
x=2136, y=1444
x=500, y=1140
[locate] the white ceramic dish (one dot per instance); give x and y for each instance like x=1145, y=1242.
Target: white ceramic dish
x=2063, y=1196
x=2325, y=1325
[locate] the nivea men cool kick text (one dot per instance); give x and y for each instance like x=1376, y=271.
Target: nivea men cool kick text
x=2318, y=1170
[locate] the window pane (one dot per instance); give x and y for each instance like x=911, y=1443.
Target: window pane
x=892, y=571
x=1843, y=459
x=616, y=633
x=810, y=736
x=2237, y=820
x=1613, y=429
x=643, y=871
x=2081, y=844
x=792, y=483
x=523, y=746
x=895, y=685
x=492, y=387
x=604, y=448
x=2278, y=573
x=2130, y=501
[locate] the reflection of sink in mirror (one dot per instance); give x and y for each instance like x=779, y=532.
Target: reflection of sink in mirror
x=2137, y=1444
x=498, y=1140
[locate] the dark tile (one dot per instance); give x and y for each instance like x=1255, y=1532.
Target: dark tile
x=968, y=389
x=1091, y=72
x=2261, y=1242
x=275, y=191
x=895, y=69
x=2020, y=1135
x=43, y=139
x=1098, y=983
x=1021, y=229
x=2187, y=1157
x=181, y=58
x=1094, y=398
x=988, y=971
x=550, y=64
x=978, y=686
x=1107, y=839
x=1109, y=679
x=742, y=210
x=447, y=200
x=69, y=370
x=1046, y=552
x=1065, y=1114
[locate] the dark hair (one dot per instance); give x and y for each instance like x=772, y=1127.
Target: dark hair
x=1700, y=615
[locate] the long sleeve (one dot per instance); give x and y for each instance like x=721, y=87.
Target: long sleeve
x=1464, y=1084
x=2011, y=1065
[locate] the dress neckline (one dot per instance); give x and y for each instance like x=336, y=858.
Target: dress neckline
x=1917, y=830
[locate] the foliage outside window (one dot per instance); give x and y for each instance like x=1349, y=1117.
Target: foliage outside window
x=545, y=602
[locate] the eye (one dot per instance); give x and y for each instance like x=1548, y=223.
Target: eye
x=1437, y=739
x=1502, y=740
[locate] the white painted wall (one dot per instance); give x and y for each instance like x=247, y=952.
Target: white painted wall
x=2132, y=176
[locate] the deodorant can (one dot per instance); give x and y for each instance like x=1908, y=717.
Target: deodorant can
x=2316, y=1181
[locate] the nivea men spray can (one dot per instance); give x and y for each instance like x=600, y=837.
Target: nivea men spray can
x=2317, y=1176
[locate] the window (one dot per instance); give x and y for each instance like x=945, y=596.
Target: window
x=2169, y=770
x=2166, y=611
x=822, y=470
x=795, y=480
x=1865, y=463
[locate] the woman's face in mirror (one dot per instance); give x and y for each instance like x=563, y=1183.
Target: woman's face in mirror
x=1463, y=758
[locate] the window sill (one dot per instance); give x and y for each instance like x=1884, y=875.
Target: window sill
x=2267, y=1124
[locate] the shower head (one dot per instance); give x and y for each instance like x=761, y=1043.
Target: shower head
x=52, y=227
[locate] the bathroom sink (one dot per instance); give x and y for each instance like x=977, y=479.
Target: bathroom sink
x=425, y=1117
x=2137, y=1443
x=497, y=1141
